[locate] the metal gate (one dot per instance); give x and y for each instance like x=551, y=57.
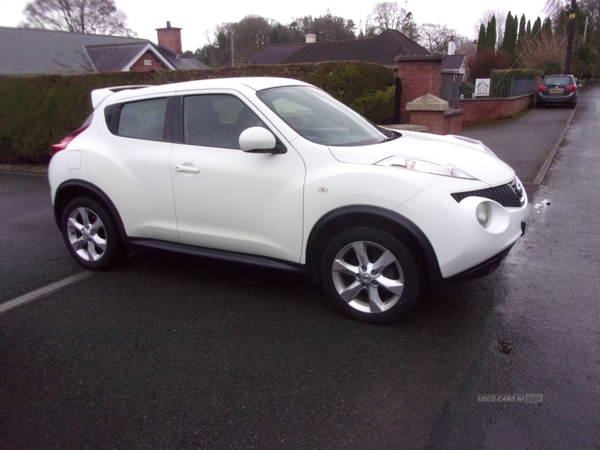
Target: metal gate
x=450, y=88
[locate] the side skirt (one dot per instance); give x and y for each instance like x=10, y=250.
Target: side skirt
x=221, y=255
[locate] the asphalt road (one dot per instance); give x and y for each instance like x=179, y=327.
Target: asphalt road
x=32, y=254
x=526, y=143
x=170, y=351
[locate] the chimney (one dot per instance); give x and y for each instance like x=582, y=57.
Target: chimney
x=311, y=38
x=170, y=37
x=451, y=46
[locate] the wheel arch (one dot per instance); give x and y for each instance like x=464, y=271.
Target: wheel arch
x=397, y=225
x=71, y=189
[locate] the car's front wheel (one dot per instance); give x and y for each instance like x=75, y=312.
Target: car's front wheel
x=370, y=275
x=90, y=234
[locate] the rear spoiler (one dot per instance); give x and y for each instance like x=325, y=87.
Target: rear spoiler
x=99, y=95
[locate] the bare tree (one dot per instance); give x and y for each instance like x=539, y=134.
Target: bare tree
x=390, y=16
x=387, y=16
x=547, y=53
x=592, y=8
x=486, y=18
x=435, y=37
x=554, y=7
x=77, y=16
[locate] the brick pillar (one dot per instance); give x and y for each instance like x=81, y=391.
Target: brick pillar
x=433, y=113
x=420, y=74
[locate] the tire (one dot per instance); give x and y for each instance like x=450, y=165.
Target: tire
x=370, y=275
x=90, y=234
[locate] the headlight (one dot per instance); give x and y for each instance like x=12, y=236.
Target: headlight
x=421, y=165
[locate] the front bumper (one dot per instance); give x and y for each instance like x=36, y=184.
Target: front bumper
x=483, y=269
x=463, y=247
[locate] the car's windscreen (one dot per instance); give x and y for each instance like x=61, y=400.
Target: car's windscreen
x=320, y=118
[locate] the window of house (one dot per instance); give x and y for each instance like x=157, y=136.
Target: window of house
x=216, y=120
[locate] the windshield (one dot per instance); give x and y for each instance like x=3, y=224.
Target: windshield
x=320, y=118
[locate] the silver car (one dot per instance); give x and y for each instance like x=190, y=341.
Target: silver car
x=558, y=89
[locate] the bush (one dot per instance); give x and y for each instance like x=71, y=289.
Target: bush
x=467, y=89
x=482, y=64
x=378, y=106
x=37, y=112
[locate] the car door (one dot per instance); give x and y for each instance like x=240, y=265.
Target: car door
x=229, y=199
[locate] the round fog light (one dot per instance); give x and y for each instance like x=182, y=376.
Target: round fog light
x=484, y=214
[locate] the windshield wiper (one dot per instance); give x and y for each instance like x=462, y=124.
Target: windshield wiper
x=391, y=138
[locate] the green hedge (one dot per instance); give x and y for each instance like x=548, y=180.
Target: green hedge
x=498, y=75
x=37, y=112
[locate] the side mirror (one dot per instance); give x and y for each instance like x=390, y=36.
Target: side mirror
x=259, y=140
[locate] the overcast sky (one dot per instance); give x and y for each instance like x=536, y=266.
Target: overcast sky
x=197, y=18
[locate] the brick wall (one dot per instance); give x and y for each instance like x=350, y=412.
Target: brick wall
x=453, y=121
x=141, y=66
x=482, y=110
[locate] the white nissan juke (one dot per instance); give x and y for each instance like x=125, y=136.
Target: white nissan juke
x=276, y=172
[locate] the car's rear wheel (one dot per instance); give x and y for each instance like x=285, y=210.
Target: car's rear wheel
x=370, y=275
x=90, y=234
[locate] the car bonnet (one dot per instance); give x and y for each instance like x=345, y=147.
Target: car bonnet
x=466, y=154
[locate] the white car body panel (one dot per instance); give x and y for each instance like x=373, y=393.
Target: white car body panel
x=243, y=202
x=135, y=175
x=471, y=158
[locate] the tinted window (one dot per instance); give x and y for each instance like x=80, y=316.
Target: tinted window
x=216, y=120
x=143, y=120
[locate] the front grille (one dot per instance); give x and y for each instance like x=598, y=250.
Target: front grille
x=509, y=195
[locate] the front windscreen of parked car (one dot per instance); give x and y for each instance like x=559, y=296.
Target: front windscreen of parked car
x=320, y=118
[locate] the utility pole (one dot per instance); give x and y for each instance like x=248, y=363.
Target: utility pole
x=232, y=52
x=571, y=31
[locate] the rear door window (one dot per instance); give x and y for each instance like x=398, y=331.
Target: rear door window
x=143, y=119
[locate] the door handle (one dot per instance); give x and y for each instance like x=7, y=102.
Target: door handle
x=187, y=169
